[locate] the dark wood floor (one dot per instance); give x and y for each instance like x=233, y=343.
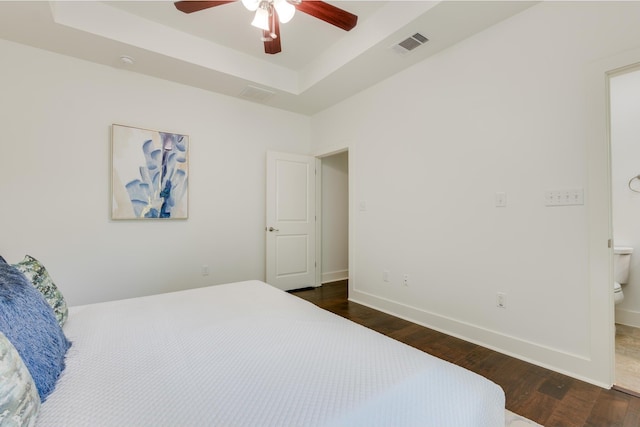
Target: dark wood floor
x=544, y=396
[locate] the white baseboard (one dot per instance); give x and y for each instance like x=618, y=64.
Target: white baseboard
x=574, y=365
x=334, y=276
x=628, y=317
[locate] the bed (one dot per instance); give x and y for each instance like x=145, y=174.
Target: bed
x=240, y=354
x=247, y=354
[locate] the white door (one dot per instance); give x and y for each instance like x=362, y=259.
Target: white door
x=291, y=220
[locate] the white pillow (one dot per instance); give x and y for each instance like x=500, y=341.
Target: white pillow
x=19, y=399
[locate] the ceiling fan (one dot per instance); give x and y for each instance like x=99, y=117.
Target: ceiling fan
x=270, y=13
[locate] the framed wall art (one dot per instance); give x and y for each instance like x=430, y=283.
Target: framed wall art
x=149, y=174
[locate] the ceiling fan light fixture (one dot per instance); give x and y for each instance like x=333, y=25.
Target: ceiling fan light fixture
x=251, y=4
x=269, y=14
x=285, y=10
x=261, y=20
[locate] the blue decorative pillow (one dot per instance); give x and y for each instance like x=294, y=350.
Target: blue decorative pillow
x=29, y=323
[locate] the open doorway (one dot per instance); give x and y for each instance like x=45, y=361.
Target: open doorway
x=624, y=94
x=334, y=251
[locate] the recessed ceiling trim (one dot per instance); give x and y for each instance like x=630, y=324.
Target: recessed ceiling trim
x=320, y=84
x=109, y=22
x=383, y=24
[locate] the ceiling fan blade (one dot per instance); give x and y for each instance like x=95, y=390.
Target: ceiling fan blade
x=328, y=13
x=195, y=6
x=272, y=44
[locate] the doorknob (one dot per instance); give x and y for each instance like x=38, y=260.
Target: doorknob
x=273, y=229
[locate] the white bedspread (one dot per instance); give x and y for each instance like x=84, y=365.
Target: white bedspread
x=247, y=354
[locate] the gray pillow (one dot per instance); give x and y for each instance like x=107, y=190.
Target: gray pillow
x=19, y=399
x=39, y=277
x=29, y=323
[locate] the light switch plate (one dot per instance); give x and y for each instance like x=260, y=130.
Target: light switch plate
x=564, y=197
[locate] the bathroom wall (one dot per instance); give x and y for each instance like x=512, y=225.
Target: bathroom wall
x=625, y=163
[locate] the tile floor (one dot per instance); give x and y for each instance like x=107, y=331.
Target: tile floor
x=628, y=357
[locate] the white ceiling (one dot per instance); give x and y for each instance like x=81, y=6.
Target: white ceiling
x=218, y=50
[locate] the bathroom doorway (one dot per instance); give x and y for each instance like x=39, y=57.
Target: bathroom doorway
x=624, y=96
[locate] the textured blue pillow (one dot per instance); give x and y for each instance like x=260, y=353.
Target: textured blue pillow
x=29, y=323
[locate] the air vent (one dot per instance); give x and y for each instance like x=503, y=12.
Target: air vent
x=256, y=94
x=408, y=44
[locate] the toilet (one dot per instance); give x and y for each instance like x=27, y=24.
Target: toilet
x=621, y=263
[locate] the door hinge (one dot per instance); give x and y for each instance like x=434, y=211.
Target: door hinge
x=610, y=243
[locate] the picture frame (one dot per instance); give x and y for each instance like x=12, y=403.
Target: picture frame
x=149, y=174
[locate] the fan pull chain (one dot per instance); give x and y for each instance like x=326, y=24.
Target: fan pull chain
x=272, y=25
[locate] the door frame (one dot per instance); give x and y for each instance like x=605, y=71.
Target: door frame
x=599, y=212
x=319, y=155
x=634, y=67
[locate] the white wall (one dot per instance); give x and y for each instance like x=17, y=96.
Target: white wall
x=335, y=217
x=504, y=111
x=54, y=177
x=625, y=163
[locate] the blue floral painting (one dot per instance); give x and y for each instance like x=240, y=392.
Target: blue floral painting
x=149, y=174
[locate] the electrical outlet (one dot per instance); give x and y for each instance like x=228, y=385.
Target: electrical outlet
x=205, y=270
x=501, y=300
x=405, y=280
x=385, y=275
